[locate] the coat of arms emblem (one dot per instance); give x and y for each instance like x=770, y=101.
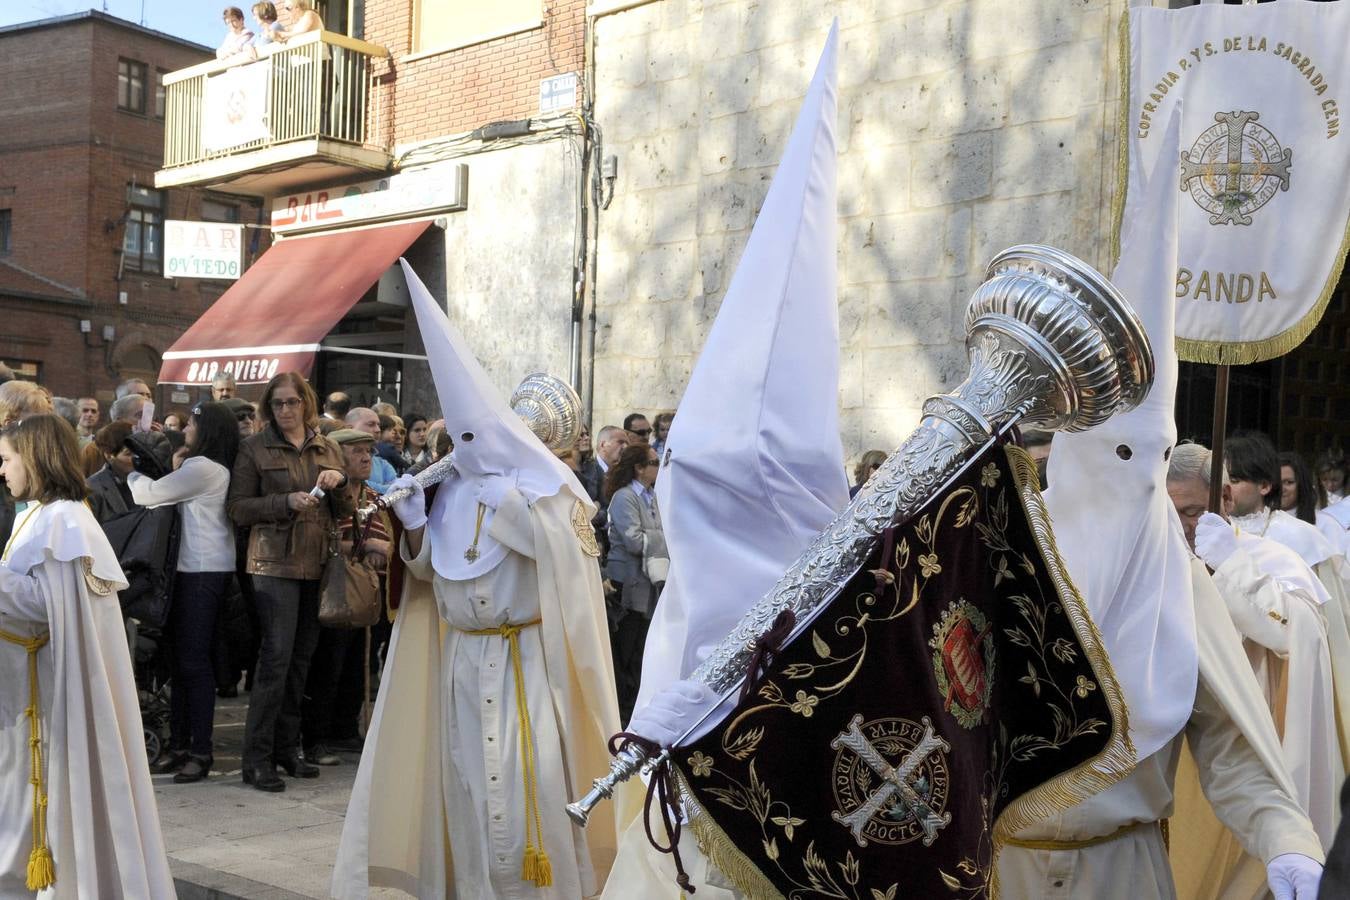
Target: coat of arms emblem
x=1234, y=168
x=963, y=663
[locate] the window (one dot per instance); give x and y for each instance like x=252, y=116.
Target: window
x=219, y=211
x=5, y=217
x=445, y=24
x=131, y=85
x=143, y=245
x=159, y=93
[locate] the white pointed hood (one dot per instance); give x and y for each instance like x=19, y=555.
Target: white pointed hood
x=1114, y=522
x=753, y=468
x=491, y=442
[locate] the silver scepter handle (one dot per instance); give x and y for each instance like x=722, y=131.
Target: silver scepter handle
x=627, y=763
x=435, y=473
x=1051, y=343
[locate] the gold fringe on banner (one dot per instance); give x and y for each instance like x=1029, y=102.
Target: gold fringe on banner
x=1122, y=138
x=722, y=852
x=1117, y=759
x=1217, y=353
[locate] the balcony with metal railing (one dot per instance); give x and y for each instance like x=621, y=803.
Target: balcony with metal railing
x=298, y=114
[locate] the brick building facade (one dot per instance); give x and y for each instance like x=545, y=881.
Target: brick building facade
x=83, y=301
x=453, y=92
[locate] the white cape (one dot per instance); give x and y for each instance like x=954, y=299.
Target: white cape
x=102, y=824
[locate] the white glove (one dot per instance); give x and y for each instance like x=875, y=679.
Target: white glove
x=672, y=712
x=1293, y=876
x=1215, y=540
x=492, y=490
x=412, y=509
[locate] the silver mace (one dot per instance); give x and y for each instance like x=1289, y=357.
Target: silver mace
x=1051, y=343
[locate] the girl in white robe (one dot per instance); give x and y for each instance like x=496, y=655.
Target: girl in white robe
x=59, y=616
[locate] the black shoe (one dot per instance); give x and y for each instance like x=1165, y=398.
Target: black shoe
x=169, y=762
x=265, y=779
x=320, y=755
x=297, y=767
x=195, y=769
x=227, y=692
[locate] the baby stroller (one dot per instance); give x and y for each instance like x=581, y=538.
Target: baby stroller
x=150, y=665
x=146, y=544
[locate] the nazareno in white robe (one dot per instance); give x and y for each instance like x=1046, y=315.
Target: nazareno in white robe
x=1275, y=602
x=437, y=809
x=61, y=576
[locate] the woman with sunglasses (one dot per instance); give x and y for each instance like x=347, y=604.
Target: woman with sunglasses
x=272, y=493
x=205, y=566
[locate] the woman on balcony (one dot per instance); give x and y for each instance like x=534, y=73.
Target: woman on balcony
x=237, y=37
x=266, y=15
x=301, y=18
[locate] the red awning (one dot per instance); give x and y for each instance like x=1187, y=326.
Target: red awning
x=274, y=317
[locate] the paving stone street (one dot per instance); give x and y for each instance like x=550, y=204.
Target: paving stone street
x=227, y=840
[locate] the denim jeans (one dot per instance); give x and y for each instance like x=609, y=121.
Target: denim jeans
x=288, y=619
x=192, y=625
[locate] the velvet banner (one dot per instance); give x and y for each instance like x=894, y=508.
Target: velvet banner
x=954, y=690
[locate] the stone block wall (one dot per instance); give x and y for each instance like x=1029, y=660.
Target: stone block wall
x=964, y=126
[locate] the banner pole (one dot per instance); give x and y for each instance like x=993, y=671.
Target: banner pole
x=1216, y=438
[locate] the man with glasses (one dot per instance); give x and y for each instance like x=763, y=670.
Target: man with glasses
x=223, y=387
x=244, y=414
x=636, y=424
x=363, y=418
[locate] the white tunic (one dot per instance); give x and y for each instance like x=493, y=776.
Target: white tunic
x=484, y=791
x=485, y=800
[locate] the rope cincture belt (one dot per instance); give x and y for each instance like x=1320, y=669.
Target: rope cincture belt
x=535, y=867
x=1084, y=843
x=41, y=868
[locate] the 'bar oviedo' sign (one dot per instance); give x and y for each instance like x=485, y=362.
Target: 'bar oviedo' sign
x=203, y=250
x=418, y=192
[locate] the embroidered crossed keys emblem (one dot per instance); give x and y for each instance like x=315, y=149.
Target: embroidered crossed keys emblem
x=895, y=780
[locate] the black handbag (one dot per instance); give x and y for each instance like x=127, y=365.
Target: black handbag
x=349, y=592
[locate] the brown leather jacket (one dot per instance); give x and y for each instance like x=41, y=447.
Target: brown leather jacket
x=283, y=543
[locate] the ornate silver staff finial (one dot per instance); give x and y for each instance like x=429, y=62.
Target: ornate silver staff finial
x=1051, y=343
x=550, y=408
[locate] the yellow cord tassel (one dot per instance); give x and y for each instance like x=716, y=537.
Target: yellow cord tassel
x=41, y=870
x=535, y=866
x=41, y=866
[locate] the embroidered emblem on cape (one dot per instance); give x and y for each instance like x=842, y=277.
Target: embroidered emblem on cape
x=1234, y=168
x=891, y=781
x=581, y=524
x=100, y=586
x=963, y=663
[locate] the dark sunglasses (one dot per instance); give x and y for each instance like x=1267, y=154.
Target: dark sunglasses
x=641, y=432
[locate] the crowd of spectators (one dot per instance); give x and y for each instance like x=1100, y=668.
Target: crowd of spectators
x=249, y=539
